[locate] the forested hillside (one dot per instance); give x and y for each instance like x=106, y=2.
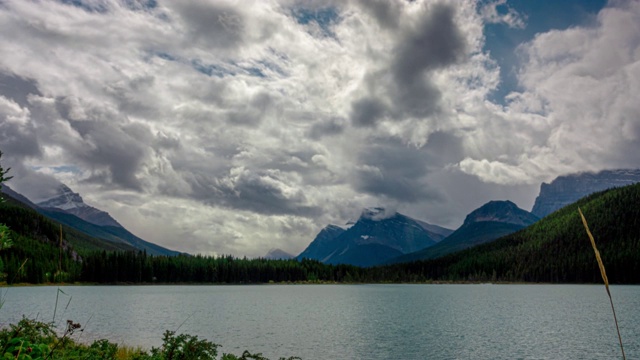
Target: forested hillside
x=555, y=249
x=36, y=254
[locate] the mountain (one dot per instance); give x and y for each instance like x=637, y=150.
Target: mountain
x=278, y=254
x=554, y=249
x=71, y=202
x=565, y=190
x=324, y=244
x=80, y=240
x=102, y=233
x=377, y=236
x=489, y=222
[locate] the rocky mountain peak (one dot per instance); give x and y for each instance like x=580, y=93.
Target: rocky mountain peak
x=501, y=211
x=278, y=254
x=377, y=213
x=71, y=202
x=64, y=199
x=565, y=190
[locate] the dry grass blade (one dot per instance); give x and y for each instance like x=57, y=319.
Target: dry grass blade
x=604, y=276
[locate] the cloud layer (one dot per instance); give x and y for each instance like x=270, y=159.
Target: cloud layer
x=235, y=127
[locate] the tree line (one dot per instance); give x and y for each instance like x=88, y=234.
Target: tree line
x=554, y=250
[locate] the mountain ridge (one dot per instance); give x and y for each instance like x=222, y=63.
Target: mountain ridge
x=567, y=189
x=377, y=236
x=486, y=223
x=71, y=202
x=116, y=235
x=278, y=254
x=555, y=249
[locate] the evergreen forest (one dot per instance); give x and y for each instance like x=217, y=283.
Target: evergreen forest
x=554, y=250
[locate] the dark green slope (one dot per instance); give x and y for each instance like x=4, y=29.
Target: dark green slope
x=89, y=236
x=118, y=237
x=150, y=248
x=555, y=249
x=365, y=255
x=34, y=255
x=75, y=222
x=471, y=235
x=491, y=221
x=81, y=241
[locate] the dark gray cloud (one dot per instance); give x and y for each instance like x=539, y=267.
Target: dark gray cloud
x=111, y=147
x=18, y=135
x=394, y=170
x=19, y=140
x=33, y=184
x=17, y=89
x=385, y=12
x=329, y=127
x=443, y=149
x=120, y=149
x=257, y=192
x=263, y=192
x=367, y=111
x=435, y=42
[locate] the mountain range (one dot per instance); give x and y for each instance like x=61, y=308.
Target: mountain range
x=377, y=236
x=565, y=190
x=98, y=229
x=489, y=222
x=555, y=249
x=361, y=245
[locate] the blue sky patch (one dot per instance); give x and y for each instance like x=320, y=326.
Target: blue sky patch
x=539, y=16
x=324, y=17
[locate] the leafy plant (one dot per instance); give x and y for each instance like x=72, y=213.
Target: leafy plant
x=36, y=340
x=183, y=347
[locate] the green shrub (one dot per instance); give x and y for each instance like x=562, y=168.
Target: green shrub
x=37, y=340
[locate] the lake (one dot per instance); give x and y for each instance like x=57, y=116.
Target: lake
x=352, y=321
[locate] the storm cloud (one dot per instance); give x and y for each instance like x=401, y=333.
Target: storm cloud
x=233, y=127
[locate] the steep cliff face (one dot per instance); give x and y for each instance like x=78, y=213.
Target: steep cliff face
x=565, y=190
x=71, y=202
x=501, y=211
x=323, y=245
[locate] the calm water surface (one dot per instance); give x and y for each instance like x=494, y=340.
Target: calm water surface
x=353, y=321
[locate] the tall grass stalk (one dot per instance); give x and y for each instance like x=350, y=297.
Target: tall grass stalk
x=603, y=273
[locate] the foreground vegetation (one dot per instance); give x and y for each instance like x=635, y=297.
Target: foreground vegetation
x=31, y=339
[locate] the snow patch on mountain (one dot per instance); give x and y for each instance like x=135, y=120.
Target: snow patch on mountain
x=65, y=199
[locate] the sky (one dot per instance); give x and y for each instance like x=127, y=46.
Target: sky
x=234, y=127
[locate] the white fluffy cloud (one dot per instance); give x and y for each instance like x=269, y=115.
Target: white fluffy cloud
x=577, y=110
x=235, y=127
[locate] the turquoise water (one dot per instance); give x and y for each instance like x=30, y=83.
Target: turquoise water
x=353, y=321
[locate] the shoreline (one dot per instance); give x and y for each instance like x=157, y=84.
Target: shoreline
x=439, y=282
